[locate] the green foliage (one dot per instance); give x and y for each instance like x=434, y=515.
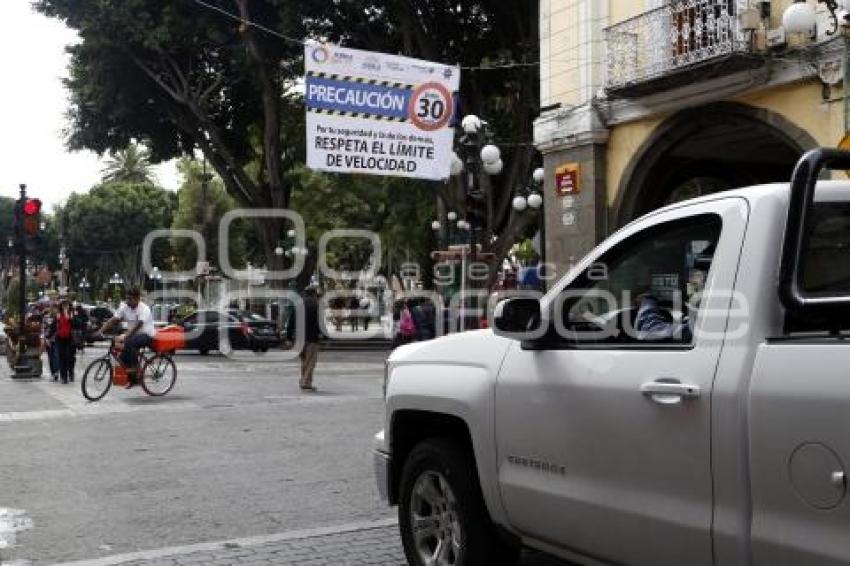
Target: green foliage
x=178, y=76
x=524, y=252
x=7, y=216
x=200, y=207
x=103, y=230
x=398, y=210
x=130, y=165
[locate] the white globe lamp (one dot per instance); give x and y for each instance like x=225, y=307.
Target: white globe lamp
x=799, y=17
x=435, y=225
x=490, y=153
x=494, y=168
x=539, y=175
x=471, y=124
x=519, y=204
x=452, y=216
x=535, y=201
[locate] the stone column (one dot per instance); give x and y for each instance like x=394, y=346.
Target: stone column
x=575, y=222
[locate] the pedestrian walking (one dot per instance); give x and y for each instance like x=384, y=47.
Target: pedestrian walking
x=406, y=325
x=366, y=307
x=309, y=354
x=49, y=328
x=63, y=339
x=353, y=315
x=425, y=317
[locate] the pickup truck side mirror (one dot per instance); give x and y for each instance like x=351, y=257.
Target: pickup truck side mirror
x=519, y=319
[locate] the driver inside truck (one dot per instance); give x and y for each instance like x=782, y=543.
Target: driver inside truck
x=655, y=323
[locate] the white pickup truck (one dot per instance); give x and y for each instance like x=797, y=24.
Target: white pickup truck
x=681, y=397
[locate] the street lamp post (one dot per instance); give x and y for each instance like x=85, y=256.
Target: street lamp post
x=532, y=199
x=84, y=287
x=476, y=154
x=116, y=280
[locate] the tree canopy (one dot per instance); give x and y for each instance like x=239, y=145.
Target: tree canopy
x=202, y=202
x=131, y=164
x=103, y=230
x=176, y=76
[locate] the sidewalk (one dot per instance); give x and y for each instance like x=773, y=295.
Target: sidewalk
x=373, y=543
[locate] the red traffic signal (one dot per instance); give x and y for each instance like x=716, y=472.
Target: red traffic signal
x=32, y=206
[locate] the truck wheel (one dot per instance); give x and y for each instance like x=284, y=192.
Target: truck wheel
x=442, y=517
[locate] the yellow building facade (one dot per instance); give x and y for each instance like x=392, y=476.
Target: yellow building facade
x=646, y=102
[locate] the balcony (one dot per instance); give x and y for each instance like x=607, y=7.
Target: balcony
x=680, y=42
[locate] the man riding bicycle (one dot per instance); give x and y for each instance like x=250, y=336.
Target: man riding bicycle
x=140, y=330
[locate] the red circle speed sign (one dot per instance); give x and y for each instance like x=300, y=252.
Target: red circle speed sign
x=431, y=106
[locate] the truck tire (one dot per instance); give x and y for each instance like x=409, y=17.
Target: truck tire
x=440, y=495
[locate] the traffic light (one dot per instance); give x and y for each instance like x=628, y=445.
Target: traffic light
x=28, y=225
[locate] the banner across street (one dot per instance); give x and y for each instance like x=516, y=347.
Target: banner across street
x=378, y=114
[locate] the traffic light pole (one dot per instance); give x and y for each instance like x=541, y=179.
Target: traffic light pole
x=22, y=277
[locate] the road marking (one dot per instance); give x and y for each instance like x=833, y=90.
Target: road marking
x=12, y=521
x=78, y=406
x=235, y=543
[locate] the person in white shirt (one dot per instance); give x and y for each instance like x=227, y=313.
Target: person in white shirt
x=140, y=329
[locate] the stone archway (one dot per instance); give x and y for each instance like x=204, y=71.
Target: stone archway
x=707, y=149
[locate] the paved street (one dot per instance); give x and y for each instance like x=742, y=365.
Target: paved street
x=235, y=463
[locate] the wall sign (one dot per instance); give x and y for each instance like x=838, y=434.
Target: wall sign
x=378, y=114
x=568, y=179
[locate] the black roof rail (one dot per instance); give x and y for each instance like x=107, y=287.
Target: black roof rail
x=792, y=292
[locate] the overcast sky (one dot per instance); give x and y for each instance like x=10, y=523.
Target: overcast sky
x=33, y=103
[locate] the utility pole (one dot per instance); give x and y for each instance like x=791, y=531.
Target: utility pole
x=22, y=274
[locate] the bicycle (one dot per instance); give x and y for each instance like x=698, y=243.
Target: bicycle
x=158, y=373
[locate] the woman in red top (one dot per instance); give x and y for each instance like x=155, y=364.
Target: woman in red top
x=64, y=335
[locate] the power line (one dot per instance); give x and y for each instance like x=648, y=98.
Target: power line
x=250, y=23
x=277, y=34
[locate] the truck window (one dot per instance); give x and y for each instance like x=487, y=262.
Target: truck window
x=646, y=289
x=826, y=262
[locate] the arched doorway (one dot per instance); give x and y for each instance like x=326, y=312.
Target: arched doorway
x=705, y=150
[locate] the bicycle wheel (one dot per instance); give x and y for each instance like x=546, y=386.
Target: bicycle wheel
x=97, y=379
x=158, y=375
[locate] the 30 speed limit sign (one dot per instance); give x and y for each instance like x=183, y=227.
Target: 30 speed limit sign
x=431, y=106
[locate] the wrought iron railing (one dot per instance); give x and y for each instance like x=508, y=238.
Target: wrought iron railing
x=672, y=37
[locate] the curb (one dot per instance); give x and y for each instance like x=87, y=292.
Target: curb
x=233, y=544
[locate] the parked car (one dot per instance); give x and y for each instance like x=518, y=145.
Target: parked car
x=97, y=316
x=611, y=422
x=244, y=331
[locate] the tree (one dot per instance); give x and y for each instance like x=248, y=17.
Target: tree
x=202, y=202
x=498, y=43
x=131, y=165
x=103, y=230
x=178, y=76
x=398, y=210
x=7, y=216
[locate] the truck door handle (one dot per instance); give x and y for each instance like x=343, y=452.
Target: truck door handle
x=667, y=391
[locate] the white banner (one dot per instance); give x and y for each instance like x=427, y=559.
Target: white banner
x=378, y=114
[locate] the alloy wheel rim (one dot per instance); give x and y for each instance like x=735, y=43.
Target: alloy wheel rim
x=437, y=532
